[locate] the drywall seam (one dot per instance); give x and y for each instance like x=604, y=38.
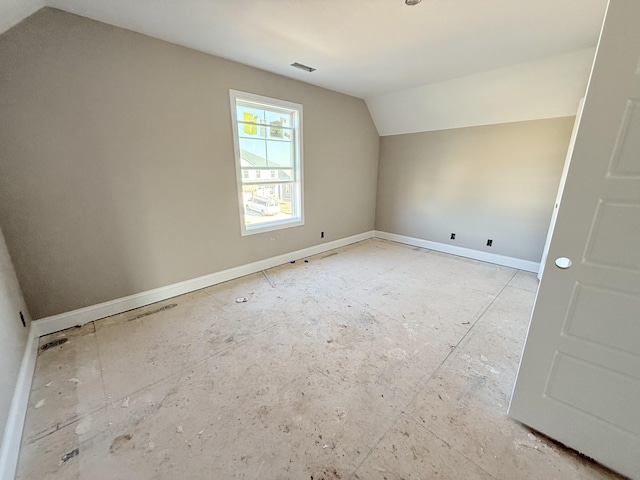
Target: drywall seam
x=12, y=437
x=503, y=260
x=55, y=323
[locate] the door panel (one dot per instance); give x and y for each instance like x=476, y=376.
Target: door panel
x=624, y=162
x=579, y=378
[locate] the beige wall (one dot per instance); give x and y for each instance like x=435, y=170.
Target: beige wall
x=13, y=336
x=497, y=182
x=117, y=169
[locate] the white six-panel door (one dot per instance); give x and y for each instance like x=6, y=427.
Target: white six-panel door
x=579, y=378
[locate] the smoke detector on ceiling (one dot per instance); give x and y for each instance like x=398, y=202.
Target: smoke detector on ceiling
x=412, y=2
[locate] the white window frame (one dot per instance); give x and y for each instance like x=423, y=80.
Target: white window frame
x=297, y=183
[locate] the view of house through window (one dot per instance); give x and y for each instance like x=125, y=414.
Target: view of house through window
x=268, y=149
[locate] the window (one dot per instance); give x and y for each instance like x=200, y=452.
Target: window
x=267, y=137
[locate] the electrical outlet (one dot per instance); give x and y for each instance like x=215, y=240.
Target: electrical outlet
x=489, y=243
x=453, y=236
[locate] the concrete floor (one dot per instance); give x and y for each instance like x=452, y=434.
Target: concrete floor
x=374, y=361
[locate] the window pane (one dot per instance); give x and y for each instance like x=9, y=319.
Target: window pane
x=251, y=130
x=266, y=203
x=249, y=120
x=285, y=118
x=253, y=153
x=279, y=154
x=246, y=108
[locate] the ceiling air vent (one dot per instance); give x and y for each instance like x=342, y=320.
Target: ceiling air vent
x=306, y=68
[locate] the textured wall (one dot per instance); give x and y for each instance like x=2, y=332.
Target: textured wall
x=117, y=172
x=497, y=182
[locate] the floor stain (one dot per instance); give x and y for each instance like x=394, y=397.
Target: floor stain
x=54, y=343
x=157, y=310
x=119, y=442
x=327, y=474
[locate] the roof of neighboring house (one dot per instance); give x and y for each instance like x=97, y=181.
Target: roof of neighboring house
x=248, y=160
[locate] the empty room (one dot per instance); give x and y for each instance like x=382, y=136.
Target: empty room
x=375, y=239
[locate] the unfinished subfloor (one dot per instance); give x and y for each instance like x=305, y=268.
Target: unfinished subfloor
x=374, y=361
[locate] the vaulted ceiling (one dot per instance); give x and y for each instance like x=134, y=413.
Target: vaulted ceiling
x=364, y=48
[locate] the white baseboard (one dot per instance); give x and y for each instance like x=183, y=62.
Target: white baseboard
x=10, y=449
x=55, y=323
x=512, y=262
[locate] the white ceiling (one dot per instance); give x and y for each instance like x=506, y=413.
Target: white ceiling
x=363, y=48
